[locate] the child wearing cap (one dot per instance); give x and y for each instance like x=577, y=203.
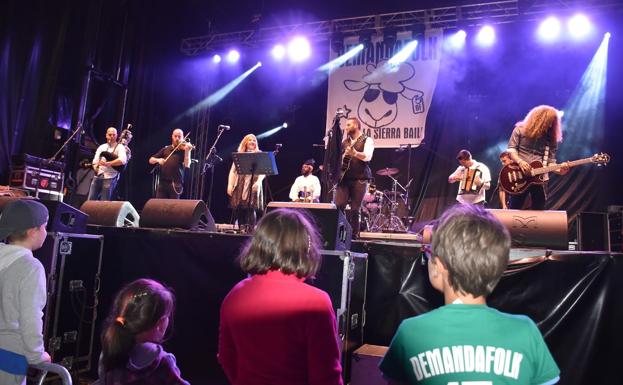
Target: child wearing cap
x=22, y=289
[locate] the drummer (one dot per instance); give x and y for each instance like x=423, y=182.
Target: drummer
x=475, y=179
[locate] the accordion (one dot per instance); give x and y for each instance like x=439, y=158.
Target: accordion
x=468, y=185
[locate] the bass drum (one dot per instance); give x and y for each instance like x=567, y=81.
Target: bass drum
x=399, y=200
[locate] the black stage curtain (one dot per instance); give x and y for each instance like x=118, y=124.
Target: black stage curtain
x=573, y=297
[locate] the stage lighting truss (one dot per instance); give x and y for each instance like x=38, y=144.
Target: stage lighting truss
x=470, y=15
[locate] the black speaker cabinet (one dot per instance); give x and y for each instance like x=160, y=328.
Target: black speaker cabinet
x=63, y=217
x=344, y=275
x=334, y=228
x=177, y=213
x=593, y=234
x=72, y=264
x=111, y=213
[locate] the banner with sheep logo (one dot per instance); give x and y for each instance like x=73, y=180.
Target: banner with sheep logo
x=390, y=100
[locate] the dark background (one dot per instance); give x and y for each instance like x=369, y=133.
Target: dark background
x=47, y=48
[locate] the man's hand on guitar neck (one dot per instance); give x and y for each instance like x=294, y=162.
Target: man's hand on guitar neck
x=564, y=169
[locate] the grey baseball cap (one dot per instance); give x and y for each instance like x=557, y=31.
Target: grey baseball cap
x=20, y=215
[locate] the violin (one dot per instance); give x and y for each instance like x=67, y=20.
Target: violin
x=184, y=145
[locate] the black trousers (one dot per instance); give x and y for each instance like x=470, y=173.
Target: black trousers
x=168, y=189
x=352, y=191
x=537, y=195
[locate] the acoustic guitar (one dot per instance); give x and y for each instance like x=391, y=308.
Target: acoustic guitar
x=514, y=181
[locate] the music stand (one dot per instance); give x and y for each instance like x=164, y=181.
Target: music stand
x=254, y=163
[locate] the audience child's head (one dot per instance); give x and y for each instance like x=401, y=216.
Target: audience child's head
x=141, y=312
x=23, y=222
x=473, y=247
x=284, y=240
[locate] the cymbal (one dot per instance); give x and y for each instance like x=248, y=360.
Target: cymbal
x=387, y=171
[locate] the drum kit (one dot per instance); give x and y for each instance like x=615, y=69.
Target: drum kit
x=388, y=210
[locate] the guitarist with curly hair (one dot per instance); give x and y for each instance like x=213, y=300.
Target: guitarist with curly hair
x=357, y=151
x=108, y=162
x=536, y=138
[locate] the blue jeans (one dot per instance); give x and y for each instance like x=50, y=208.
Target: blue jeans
x=102, y=188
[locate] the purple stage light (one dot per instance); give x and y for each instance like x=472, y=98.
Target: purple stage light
x=457, y=40
x=549, y=29
x=299, y=49
x=216, y=58
x=233, y=56
x=579, y=26
x=486, y=36
x=278, y=52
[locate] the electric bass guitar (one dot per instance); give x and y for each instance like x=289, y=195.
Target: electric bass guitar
x=514, y=181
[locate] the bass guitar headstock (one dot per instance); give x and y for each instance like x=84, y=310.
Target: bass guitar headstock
x=601, y=158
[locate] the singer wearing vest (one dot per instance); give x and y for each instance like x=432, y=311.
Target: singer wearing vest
x=357, y=151
x=173, y=160
x=108, y=159
x=536, y=137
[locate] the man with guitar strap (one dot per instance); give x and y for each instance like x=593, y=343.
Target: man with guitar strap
x=108, y=162
x=357, y=151
x=536, y=138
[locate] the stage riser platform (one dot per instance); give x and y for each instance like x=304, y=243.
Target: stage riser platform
x=574, y=297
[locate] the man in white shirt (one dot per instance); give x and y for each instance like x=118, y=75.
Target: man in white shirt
x=306, y=188
x=475, y=179
x=109, y=155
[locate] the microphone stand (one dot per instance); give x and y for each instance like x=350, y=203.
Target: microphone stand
x=210, y=162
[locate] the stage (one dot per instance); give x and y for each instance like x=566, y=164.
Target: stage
x=573, y=296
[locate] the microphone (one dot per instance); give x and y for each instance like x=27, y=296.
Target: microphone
x=224, y=127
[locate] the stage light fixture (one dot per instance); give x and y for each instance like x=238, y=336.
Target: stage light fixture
x=549, y=29
x=579, y=26
x=216, y=58
x=285, y=124
x=299, y=49
x=278, y=52
x=233, y=56
x=457, y=39
x=486, y=36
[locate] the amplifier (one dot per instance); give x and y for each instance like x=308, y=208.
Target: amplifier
x=37, y=179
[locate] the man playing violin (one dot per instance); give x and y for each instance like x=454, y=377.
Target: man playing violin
x=172, y=159
x=108, y=157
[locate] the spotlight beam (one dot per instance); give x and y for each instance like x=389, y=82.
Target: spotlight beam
x=337, y=62
x=403, y=54
x=220, y=94
x=272, y=131
x=585, y=109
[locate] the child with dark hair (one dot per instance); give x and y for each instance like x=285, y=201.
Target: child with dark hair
x=274, y=328
x=466, y=341
x=22, y=289
x=131, y=341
